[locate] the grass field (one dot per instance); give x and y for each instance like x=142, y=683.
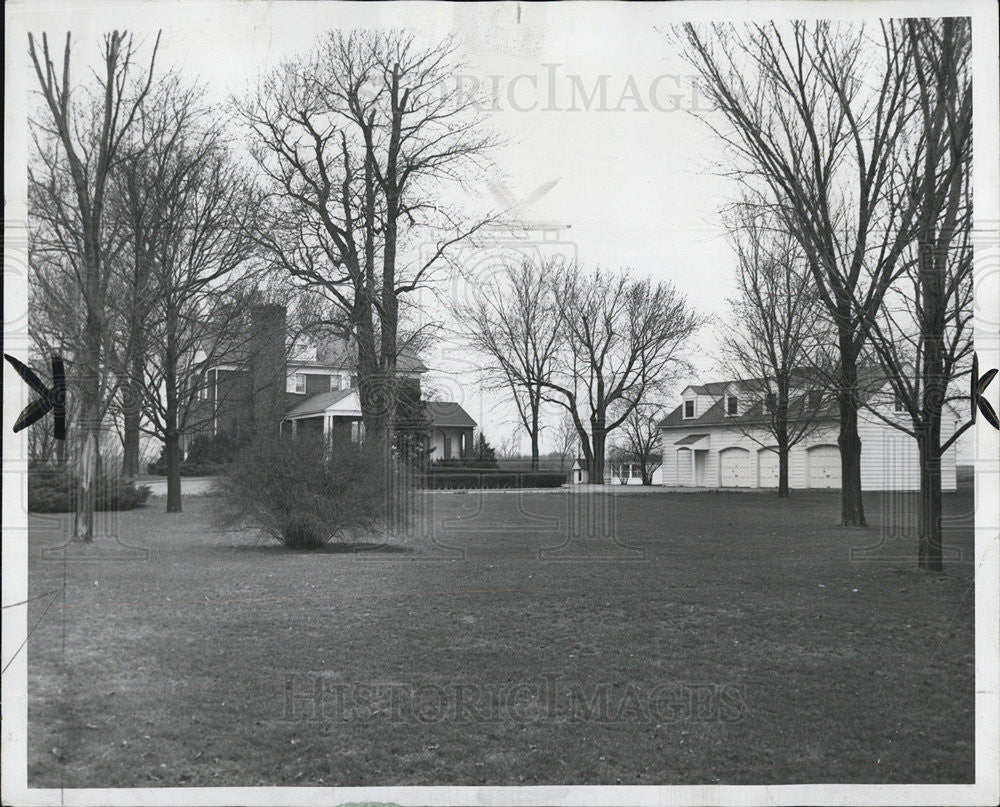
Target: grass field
x=691, y=638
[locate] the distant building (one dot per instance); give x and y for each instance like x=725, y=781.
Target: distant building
x=710, y=441
x=262, y=384
x=630, y=472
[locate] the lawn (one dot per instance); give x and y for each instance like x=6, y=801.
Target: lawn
x=516, y=638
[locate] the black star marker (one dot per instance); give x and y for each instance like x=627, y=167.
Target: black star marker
x=54, y=399
x=978, y=388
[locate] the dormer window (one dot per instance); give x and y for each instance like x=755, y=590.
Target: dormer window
x=688, y=409
x=732, y=405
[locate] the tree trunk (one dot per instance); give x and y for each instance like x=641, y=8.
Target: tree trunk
x=930, y=555
x=598, y=437
x=172, y=436
x=173, y=451
x=783, y=447
x=370, y=391
x=131, y=431
x=782, y=472
x=88, y=466
x=132, y=390
x=88, y=470
x=852, y=510
x=534, y=435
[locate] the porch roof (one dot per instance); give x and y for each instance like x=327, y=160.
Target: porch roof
x=336, y=402
x=448, y=414
x=691, y=439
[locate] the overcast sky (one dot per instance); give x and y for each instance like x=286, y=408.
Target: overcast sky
x=635, y=180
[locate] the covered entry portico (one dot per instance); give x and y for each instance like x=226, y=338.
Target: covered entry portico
x=336, y=415
x=692, y=457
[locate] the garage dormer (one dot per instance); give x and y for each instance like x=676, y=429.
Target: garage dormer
x=697, y=399
x=689, y=403
x=733, y=403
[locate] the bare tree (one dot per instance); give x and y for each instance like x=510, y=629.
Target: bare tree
x=509, y=448
x=78, y=141
x=192, y=213
x=357, y=140
x=567, y=441
x=144, y=176
x=511, y=319
x=641, y=439
x=816, y=114
x=769, y=336
x=923, y=334
x=622, y=340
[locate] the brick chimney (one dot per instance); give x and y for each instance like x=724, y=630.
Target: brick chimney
x=267, y=365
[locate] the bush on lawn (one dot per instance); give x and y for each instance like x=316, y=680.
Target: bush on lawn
x=303, y=493
x=440, y=478
x=208, y=455
x=54, y=489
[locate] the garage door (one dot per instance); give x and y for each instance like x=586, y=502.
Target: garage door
x=734, y=468
x=767, y=467
x=824, y=467
x=684, y=466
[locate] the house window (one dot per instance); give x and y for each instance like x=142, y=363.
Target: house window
x=771, y=401
x=447, y=447
x=897, y=404
x=815, y=398
x=688, y=409
x=732, y=405
x=334, y=383
x=296, y=383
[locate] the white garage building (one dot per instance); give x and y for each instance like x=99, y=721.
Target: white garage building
x=706, y=445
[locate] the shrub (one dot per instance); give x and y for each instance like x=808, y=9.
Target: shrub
x=207, y=456
x=202, y=458
x=54, y=489
x=439, y=478
x=304, y=494
x=213, y=451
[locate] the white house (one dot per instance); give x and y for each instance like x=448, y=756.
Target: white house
x=707, y=442
x=630, y=473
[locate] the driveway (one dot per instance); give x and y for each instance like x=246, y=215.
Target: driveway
x=190, y=485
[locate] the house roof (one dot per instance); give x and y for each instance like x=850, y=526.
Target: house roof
x=318, y=404
x=338, y=353
x=333, y=353
x=447, y=413
x=438, y=413
x=871, y=381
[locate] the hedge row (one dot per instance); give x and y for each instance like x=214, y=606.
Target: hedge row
x=54, y=490
x=475, y=479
